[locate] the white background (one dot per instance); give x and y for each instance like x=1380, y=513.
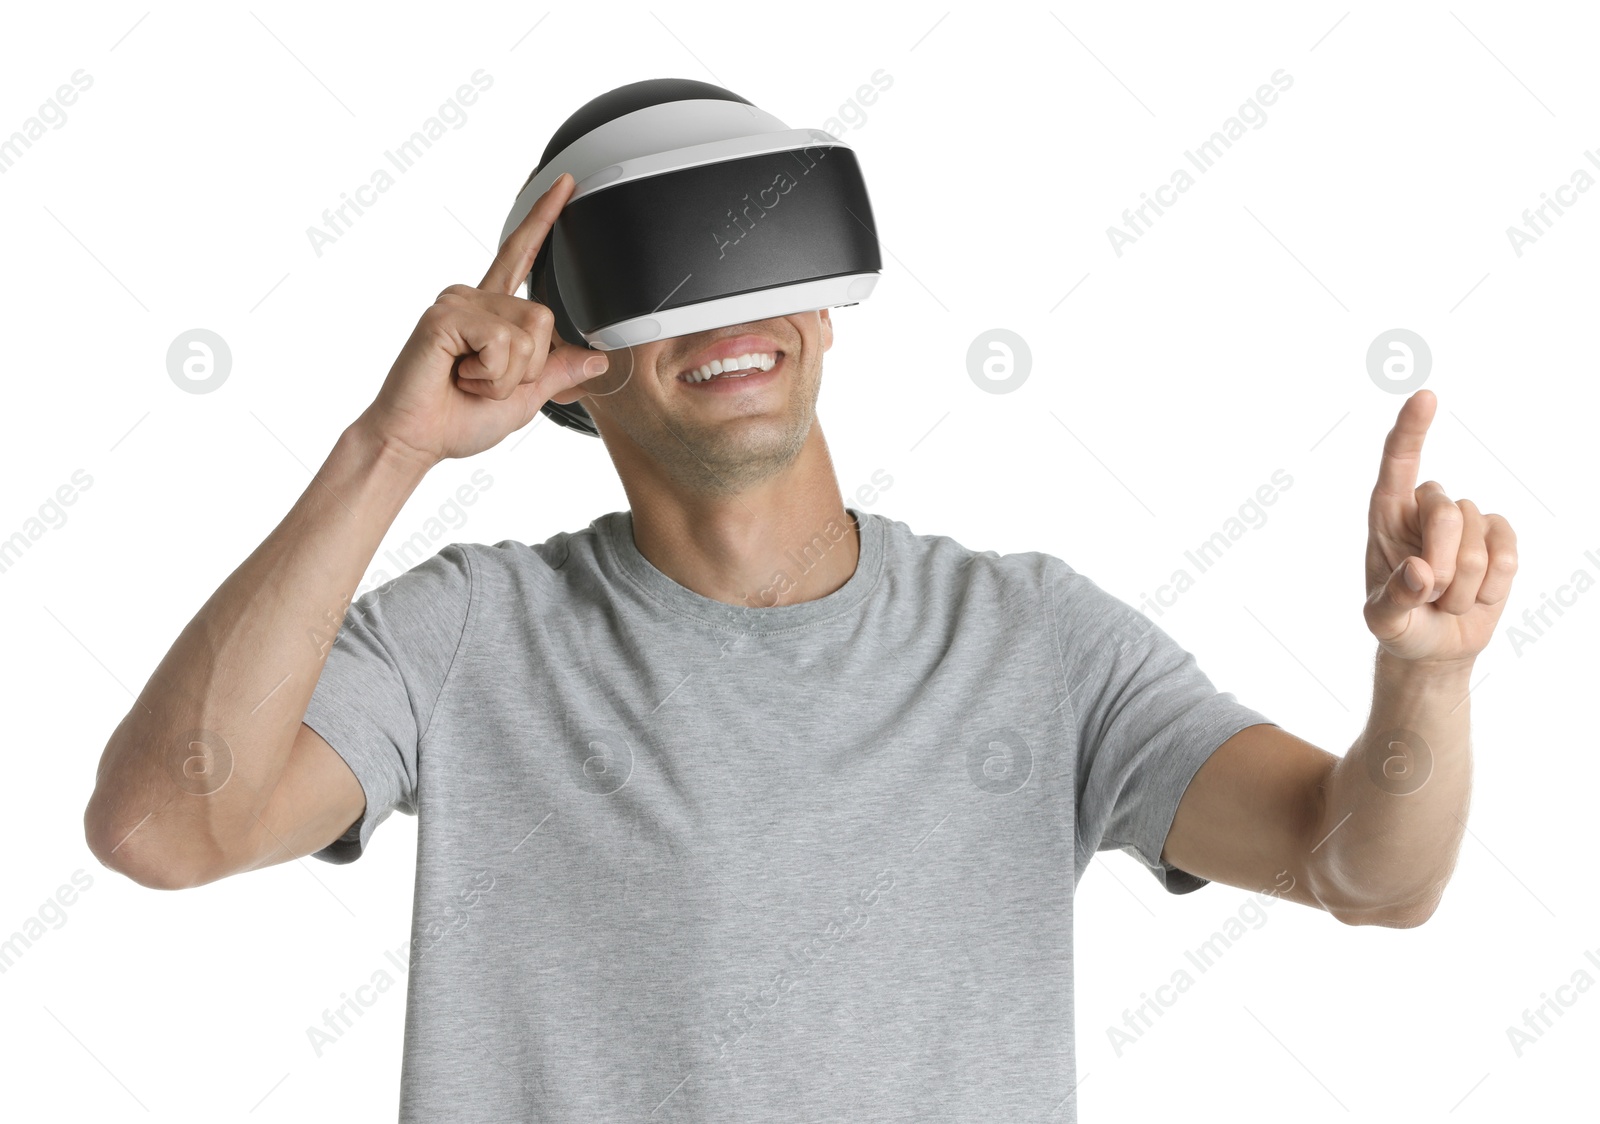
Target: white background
x=1226, y=343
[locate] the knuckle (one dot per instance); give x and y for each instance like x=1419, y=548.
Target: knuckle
x=523, y=345
x=541, y=318
x=434, y=317
x=1505, y=562
x=452, y=293
x=1473, y=561
x=505, y=334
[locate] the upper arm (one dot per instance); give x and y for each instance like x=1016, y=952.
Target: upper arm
x=1250, y=815
x=316, y=800
x=1145, y=718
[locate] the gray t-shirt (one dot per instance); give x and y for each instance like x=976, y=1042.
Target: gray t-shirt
x=683, y=860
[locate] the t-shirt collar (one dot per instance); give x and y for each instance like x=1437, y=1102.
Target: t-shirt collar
x=616, y=532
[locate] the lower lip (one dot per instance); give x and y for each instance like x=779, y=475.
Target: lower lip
x=731, y=386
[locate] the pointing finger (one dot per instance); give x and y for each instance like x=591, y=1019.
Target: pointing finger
x=515, y=259
x=1402, y=454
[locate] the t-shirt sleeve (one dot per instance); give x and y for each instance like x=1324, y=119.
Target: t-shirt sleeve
x=1146, y=719
x=383, y=676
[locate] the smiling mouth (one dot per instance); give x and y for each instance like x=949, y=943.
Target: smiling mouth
x=736, y=367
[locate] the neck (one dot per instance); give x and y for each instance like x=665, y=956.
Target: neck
x=784, y=540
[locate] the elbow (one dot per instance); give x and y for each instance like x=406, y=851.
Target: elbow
x=150, y=876
x=132, y=828
x=158, y=871
x=1361, y=897
x=118, y=848
x=1389, y=918
x=1393, y=915
x=1414, y=916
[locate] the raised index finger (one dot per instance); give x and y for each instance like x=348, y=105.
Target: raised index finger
x=1402, y=453
x=511, y=265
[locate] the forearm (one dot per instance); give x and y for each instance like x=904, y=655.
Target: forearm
x=239, y=677
x=1396, y=804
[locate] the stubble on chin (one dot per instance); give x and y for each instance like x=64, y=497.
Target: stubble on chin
x=721, y=459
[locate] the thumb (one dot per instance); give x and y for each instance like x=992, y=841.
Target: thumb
x=1388, y=610
x=567, y=369
x=564, y=368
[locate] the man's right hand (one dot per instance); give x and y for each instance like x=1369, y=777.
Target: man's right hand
x=479, y=364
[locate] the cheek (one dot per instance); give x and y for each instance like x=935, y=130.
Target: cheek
x=625, y=367
x=822, y=328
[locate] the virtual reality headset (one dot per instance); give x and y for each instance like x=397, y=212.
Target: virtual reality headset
x=693, y=210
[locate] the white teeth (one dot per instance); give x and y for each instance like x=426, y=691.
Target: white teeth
x=755, y=360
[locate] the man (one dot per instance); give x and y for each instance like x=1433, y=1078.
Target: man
x=746, y=803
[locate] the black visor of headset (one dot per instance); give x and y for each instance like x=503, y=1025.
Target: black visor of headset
x=701, y=236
